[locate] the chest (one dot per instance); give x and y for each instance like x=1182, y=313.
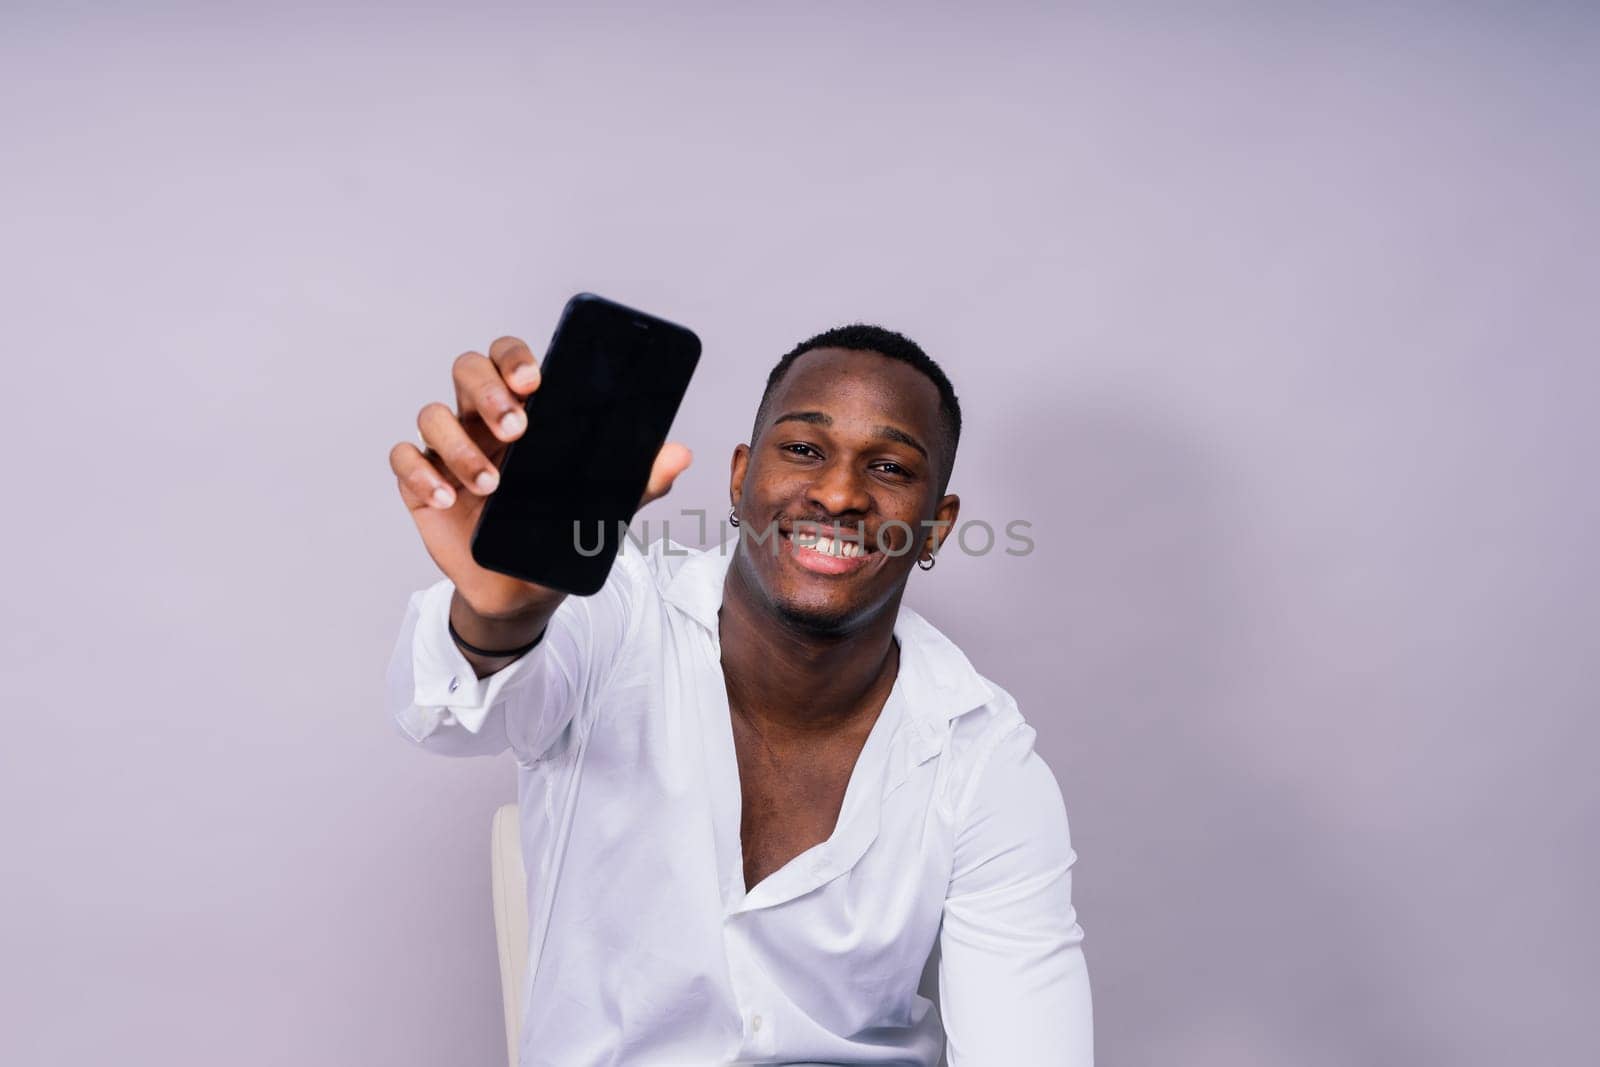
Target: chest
x=791, y=794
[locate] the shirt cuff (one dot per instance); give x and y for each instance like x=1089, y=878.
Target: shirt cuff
x=447, y=689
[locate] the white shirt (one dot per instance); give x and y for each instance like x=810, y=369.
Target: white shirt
x=951, y=850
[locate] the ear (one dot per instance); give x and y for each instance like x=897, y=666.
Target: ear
x=741, y=463
x=944, y=520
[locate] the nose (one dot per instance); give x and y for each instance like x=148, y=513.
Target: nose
x=839, y=490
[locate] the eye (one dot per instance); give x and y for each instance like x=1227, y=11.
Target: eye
x=893, y=468
x=799, y=448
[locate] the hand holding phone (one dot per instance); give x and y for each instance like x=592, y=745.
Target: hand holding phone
x=612, y=382
x=446, y=487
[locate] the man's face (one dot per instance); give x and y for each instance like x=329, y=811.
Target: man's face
x=852, y=444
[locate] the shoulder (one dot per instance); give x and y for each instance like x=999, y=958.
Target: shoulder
x=969, y=713
x=665, y=572
x=659, y=562
x=648, y=571
x=1005, y=798
x=982, y=727
x=975, y=737
x=997, y=781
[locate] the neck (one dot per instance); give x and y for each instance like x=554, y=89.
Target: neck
x=799, y=680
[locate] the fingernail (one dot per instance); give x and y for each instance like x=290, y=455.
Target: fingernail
x=523, y=375
x=486, y=481
x=443, y=498
x=512, y=422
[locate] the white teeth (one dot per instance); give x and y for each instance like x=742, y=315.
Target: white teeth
x=832, y=547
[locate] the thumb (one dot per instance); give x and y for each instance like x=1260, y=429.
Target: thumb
x=671, y=461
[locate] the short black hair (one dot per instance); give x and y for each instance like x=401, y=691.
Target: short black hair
x=861, y=337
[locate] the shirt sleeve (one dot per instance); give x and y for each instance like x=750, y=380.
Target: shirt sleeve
x=439, y=702
x=1013, y=984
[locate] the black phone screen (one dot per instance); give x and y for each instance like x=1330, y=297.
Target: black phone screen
x=610, y=385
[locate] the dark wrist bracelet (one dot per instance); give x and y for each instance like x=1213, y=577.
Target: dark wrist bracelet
x=487, y=653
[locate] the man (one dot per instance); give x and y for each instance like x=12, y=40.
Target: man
x=758, y=795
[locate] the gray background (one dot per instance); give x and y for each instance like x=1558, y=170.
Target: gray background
x=1276, y=321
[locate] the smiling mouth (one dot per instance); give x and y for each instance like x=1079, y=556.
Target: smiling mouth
x=828, y=554
x=827, y=545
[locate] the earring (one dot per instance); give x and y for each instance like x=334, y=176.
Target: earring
x=926, y=564
x=733, y=516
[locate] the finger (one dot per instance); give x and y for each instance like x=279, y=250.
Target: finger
x=443, y=433
x=421, y=484
x=671, y=461
x=482, y=392
x=516, y=363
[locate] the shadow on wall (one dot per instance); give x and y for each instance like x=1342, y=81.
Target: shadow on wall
x=1219, y=928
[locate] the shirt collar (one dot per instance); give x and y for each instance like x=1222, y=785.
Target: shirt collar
x=936, y=678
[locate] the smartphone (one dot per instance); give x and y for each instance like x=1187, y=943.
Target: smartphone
x=610, y=385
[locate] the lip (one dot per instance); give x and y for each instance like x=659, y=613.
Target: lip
x=816, y=562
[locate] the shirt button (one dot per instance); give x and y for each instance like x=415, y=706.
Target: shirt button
x=454, y=683
x=755, y=1023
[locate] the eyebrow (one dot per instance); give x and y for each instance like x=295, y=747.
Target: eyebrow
x=822, y=418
